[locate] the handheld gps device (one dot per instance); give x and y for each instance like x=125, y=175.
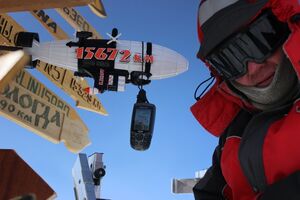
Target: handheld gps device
x=142, y=125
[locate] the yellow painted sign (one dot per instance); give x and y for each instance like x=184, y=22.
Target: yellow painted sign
x=98, y=8
x=53, y=28
x=26, y=5
x=63, y=78
x=7, y=30
x=77, y=21
x=73, y=86
x=31, y=104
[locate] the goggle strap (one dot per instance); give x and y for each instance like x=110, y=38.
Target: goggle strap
x=195, y=93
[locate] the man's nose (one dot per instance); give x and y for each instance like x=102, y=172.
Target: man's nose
x=253, y=68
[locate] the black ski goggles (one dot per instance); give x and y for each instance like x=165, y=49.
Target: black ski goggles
x=261, y=39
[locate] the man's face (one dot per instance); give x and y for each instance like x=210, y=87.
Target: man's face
x=261, y=74
x=270, y=83
x=237, y=57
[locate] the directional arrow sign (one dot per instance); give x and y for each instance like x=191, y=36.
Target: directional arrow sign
x=98, y=8
x=63, y=78
x=54, y=29
x=32, y=105
x=77, y=21
x=26, y=5
x=29, y=103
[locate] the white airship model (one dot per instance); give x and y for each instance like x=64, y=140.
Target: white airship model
x=110, y=62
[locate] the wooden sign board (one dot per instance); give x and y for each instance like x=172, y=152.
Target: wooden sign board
x=53, y=28
x=98, y=8
x=19, y=179
x=77, y=21
x=32, y=105
x=73, y=86
x=26, y=5
x=62, y=78
x=29, y=103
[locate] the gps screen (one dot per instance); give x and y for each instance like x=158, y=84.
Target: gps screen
x=142, y=119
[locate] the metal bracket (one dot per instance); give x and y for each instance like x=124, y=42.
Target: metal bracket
x=185, y=186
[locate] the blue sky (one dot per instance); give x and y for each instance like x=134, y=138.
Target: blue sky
x=180, y=146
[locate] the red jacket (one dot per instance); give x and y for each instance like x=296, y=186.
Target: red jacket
x=249, y=164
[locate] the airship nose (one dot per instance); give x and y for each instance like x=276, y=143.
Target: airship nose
x=181, y=64
x=167, y=63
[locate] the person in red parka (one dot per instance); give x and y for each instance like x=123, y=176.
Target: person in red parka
x=252, y=48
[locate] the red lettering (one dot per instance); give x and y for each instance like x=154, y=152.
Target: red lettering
x=89, y=52
x=126, y=55
x=149, y=59
x=137, y=58
x=113, y=53
x=110, y=54
x=100, y=54
x=79, y=53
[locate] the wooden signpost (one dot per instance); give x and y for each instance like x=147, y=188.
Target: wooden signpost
x=53, y=28
x=28, y=102
x=63, y=78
